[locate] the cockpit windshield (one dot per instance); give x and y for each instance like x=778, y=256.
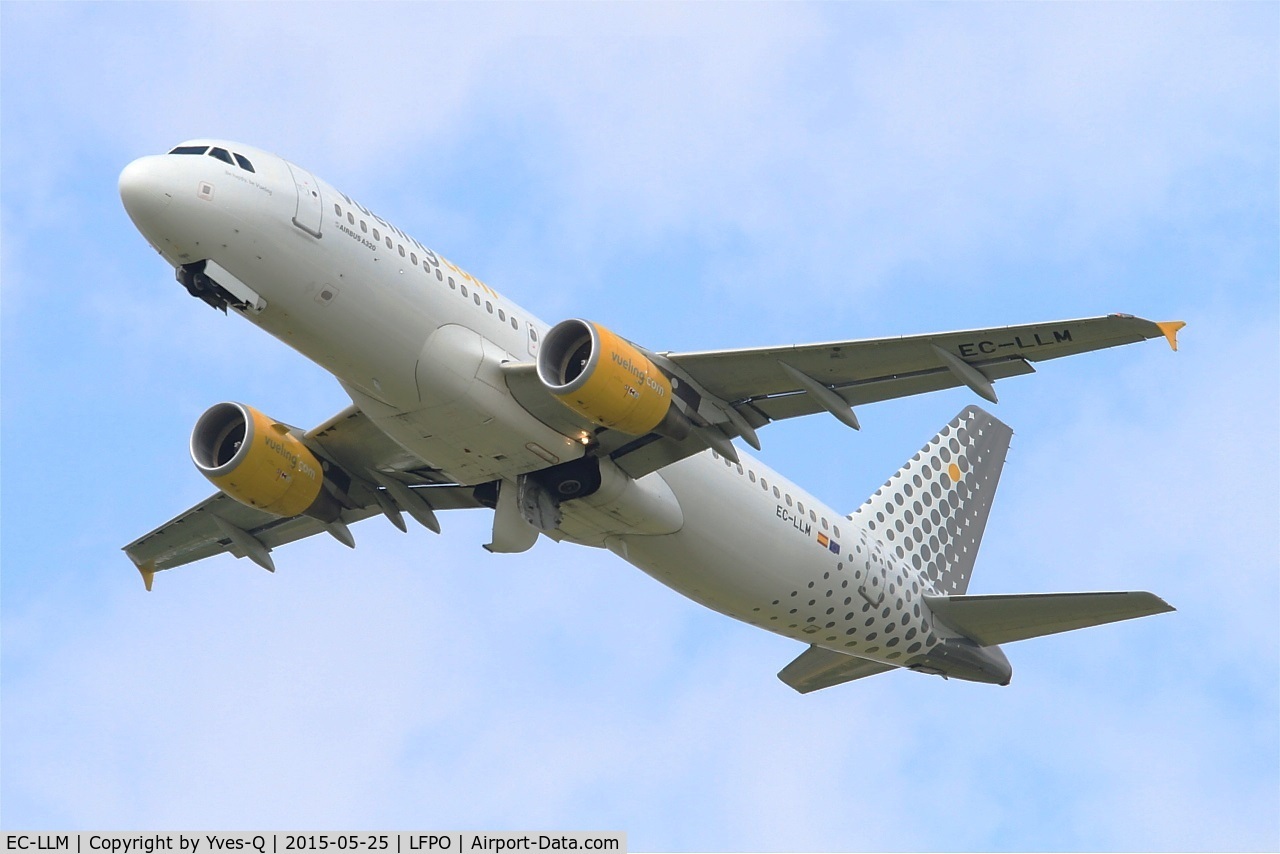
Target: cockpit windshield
x=220, y=153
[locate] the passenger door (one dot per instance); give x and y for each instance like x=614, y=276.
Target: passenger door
x=309, y=212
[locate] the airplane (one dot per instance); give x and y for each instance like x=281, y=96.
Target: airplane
x=460, y=398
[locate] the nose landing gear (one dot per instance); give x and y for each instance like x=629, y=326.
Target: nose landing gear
x=226, y=290
x=200, y=286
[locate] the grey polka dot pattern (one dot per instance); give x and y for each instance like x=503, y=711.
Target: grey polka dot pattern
x=917, y=535
x=931, y=514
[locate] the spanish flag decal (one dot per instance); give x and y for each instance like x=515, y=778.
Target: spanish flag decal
x=828, y=543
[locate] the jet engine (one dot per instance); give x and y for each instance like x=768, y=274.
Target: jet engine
x=259, y=462
x=608, y=380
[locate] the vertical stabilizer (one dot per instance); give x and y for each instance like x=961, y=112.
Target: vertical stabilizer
x=933, y=511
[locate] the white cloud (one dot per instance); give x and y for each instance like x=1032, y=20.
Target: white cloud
x=924, y=142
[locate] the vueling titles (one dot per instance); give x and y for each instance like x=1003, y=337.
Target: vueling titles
x=639, y=373
x=294, y=462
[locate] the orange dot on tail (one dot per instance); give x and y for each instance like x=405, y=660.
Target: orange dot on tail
x=954, y=471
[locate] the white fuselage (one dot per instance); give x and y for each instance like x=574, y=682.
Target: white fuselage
x=418, y=343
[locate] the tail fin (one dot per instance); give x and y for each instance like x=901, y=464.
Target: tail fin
x=933, y=511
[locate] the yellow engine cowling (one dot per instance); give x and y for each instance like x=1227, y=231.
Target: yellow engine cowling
x=606, y=379
x=258, y=462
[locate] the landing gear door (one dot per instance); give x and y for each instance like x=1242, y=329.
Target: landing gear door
x=309, y=212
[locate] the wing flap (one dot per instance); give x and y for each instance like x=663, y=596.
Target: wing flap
x=751, y=374
x=195, y=535
x=989, y=620
x=818, y=668
x=783, y=406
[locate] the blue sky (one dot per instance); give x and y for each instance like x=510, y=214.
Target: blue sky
x=694, y=176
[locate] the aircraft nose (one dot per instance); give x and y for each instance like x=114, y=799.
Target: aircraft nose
x=143, y=192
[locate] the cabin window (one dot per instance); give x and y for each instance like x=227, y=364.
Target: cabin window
x=488, y=306
x=413, y=258
x=364, y=226
x=376, y=235
x=476, y=297
x=824, y=523
x=390, y=245
x=836, y=529
x=350, y=218
x=337, y=210
x=813, y=517
x=463, y=288
x=764, y=484
x=739, y=468
x=401, y=251
x=221, y=154
x=752, y=475
x=800, y=507
x=441, y=278
x=776, y=493
x=451, y=282
x=190, y=149
x=244, y=163
x=514, y=325
x=502, y=315
x=789, y=499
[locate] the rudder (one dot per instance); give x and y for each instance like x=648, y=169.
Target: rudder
x=934, y=509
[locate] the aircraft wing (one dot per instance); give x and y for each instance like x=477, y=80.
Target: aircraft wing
x=876, y=369
x=735, y=389
x=222, y=524
x=194, y=534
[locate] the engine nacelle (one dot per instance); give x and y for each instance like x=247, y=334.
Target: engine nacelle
x=258, y=462
x=606, y=379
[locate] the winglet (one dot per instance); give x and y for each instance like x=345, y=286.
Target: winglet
x=146, y=567
x=1170, y=329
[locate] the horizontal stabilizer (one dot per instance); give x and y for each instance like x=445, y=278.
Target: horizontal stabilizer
x=817, y=668
x=989, y=620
